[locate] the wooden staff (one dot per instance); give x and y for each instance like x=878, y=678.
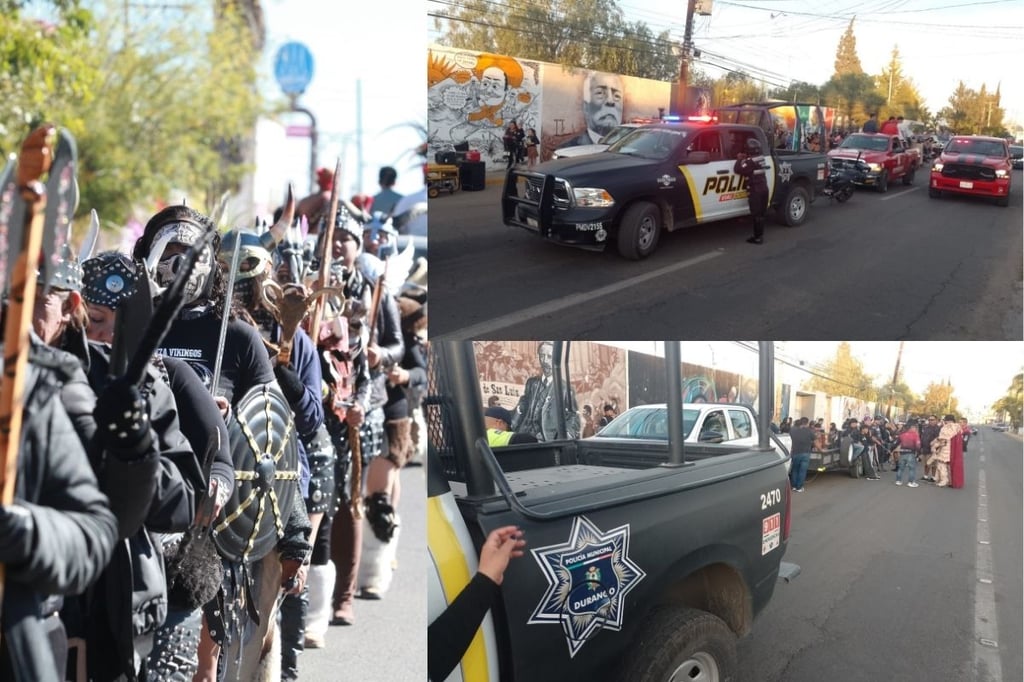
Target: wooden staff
x=326, y=251
x=34, y=162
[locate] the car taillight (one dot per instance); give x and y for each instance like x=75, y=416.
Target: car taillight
x=785, y=526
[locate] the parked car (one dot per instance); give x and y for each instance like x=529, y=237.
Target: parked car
x=1017, y=156
x=879, y=159
x=606, y=141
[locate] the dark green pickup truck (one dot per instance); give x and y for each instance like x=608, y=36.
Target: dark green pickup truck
x=645, y=561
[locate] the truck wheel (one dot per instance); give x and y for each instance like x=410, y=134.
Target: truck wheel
x=857, y=468
x=794, y=206
x=680, y=644
x=1003, y=201
x=934, y=193
x=883, y=182
x=433, y=192
x=909, y=177
x=639, y=230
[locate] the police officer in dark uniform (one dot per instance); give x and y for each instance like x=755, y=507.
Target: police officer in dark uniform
x=750, y=165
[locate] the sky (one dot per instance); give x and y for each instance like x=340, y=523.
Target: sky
x=376, y=43
x=979, y=371
x=940, y=41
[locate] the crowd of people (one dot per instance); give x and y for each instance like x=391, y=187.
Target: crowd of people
x=881, y=445
x=162, y=521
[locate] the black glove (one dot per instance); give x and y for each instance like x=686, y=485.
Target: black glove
x=290, y=383
x=17, y=534
x=122, y=420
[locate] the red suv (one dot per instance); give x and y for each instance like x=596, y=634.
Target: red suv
x=972, y=164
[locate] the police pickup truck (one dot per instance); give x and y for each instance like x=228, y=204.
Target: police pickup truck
x=645, y=560
x=663, y=176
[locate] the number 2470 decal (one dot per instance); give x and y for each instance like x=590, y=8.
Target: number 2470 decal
x=770, y=498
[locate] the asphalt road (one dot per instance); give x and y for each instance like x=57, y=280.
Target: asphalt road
x=389, y=638
x=892, y=584
x=881, y=266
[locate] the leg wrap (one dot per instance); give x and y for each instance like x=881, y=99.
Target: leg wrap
x=382, y=516
x=399, y=433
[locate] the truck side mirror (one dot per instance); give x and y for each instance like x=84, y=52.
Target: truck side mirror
x=697, y=157
x=710, y=436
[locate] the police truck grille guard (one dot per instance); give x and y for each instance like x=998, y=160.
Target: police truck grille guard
x=966, y=171
x=535, y=193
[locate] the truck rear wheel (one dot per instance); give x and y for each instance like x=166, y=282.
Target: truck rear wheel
x=908, y=179
x=857, y=468
x=794, y=206
x=680, y=644
x=639, y=230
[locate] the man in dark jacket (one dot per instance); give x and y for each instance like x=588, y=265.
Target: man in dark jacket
x=929, y=432
x=871, y=125
x=802, y=444
x=535, y=412
x=58, y=535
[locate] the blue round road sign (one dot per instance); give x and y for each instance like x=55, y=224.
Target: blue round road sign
x=293, y=68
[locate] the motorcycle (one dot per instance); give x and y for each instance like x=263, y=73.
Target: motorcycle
x=841, y=181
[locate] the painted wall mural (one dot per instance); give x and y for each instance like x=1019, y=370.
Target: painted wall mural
x=472, y=96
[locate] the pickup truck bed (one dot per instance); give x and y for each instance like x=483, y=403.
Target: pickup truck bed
x=592, y=497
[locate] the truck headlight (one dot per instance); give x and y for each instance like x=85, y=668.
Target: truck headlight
x=937, y=167
x=874, y=167
x=1002, y=173
x=592, y=197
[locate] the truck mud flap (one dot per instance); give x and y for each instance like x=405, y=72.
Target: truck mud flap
x=535, y=192
x=788, y=572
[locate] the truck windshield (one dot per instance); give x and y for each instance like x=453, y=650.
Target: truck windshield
x=868, y=142
x=616, y=134
x=650, y=143
x=646, y=422
x=967, y=145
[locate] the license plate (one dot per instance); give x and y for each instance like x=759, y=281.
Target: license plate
x=966, y=185
x=532, y=222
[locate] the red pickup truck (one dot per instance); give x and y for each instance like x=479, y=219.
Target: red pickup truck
x=878, y=159
x=973, y=165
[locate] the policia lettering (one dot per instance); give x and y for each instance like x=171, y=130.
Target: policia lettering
x=751, y=166
x=726, y=184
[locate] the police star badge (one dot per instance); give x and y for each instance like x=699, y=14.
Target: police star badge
x=588, y=579
x=666, y=181
x=785, y=171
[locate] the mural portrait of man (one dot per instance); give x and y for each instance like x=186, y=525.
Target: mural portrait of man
x=602, y=107
x=535, y=413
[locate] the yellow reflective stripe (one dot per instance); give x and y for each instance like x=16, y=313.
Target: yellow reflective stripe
x=497, y=439
x=454, y=573
x=698, y=212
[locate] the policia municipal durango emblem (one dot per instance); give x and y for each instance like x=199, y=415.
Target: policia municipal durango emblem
x=588, y=579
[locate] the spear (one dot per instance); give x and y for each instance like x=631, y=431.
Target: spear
x=326, y=249
x=35, y=161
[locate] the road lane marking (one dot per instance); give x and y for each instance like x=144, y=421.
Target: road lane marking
x=560, y=304
x=987, y=665
x=894, y=196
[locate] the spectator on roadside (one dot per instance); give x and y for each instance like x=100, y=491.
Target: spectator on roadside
x=589, y=429
x=386, y=199
x=909, y=448
x=450, y=634
x=609, y=414
x=510, y=139
x=802, y=439
x=929, y=432
x=833, y=436
x=532, y=143
x=786, y=425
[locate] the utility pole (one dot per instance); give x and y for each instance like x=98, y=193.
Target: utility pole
x=359, y=136
x=679, y=106
x=895, y=378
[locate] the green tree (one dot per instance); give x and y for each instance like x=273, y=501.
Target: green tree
x=1012, y=403
x=165, y=106
x=843, y=375
x=896, y=395
x=591, y=34
x=847, y=62
x=798, y=91
x=938, y=399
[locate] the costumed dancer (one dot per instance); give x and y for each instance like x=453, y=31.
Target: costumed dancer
x=276, y=310
x=110, y=283
x=240, y=371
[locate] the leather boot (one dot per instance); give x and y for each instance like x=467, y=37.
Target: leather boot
x=399, y=434
x=294, y=610
x=346, y=548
